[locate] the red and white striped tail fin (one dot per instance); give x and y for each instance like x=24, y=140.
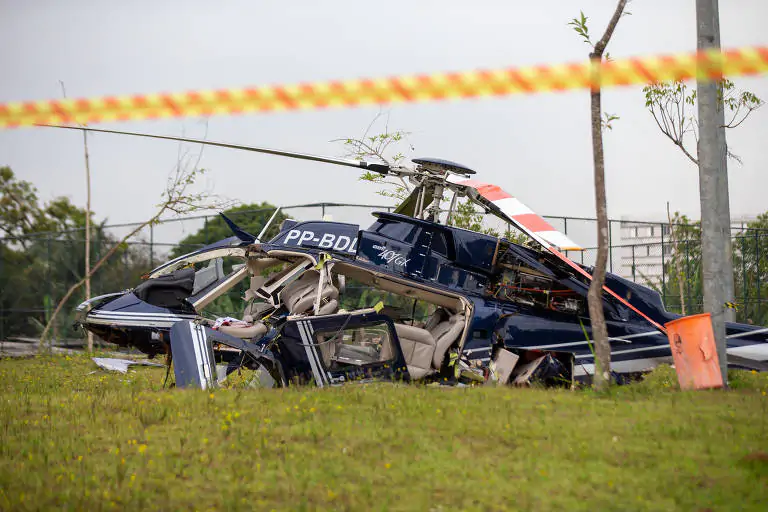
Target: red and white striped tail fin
x=517, y=214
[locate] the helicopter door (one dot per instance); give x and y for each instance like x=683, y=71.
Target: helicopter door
x=334, y=349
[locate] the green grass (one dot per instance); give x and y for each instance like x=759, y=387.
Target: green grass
x=89, y=441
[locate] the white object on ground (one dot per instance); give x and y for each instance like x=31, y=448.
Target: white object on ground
x=120, y=365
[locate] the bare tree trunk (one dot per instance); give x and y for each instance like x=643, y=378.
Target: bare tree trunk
x=595, y=295
x=87, y=271
x=602, y=377
x=87, y=231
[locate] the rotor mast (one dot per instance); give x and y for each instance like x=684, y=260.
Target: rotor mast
x=434, y=173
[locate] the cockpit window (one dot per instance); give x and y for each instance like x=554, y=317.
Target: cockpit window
x=398, y=231
x=356, y=347
x=208, y=275
x=438, y=244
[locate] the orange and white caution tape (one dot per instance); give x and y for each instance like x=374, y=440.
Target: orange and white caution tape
x=399, y=89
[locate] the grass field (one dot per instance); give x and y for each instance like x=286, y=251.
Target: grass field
x=75, y=437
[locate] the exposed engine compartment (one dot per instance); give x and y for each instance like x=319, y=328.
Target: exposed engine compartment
x=516, y=282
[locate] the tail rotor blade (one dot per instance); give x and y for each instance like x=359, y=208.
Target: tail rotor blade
x=512, y=210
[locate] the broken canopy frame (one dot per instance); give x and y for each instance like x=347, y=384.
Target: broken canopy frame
x=197, y=367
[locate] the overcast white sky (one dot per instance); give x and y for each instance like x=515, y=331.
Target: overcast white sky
x=536, y=147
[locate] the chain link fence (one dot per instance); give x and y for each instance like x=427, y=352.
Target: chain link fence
x=36, y=272
x=667, y=258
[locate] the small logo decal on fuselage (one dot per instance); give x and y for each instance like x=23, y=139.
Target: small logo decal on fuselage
x=391, y=256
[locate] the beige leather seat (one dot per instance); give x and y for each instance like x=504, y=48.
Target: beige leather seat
x=300, y=296
x=424, y=350
x=418, y=347
x=445, y=334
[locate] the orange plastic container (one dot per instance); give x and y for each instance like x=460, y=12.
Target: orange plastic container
x=694, y=351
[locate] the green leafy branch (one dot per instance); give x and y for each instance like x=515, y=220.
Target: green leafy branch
x=672, y=104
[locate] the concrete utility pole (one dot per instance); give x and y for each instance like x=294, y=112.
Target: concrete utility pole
x=717, y=260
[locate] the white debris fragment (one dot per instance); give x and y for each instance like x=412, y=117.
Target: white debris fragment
x=119, y=365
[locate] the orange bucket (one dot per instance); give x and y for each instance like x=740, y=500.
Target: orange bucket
x=694, y=351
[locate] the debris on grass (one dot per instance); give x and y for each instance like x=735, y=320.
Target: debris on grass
x=120, y=365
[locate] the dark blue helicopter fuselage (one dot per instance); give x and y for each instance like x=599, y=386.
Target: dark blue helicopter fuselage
x=462, y=262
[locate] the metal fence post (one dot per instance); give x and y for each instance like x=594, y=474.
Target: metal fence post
x=151, y=246
x=744, y=277
x=48, y=309
x=688, y=273
x=2, y=296
x=99, y=242
x=610, y=245
x=125, y=266
x=663, y=270
x=634, y=278
x=757, y=278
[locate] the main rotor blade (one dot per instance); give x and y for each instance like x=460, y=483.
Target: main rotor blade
x=370, y=166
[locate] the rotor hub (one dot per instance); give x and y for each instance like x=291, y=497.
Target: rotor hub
x=439, y=167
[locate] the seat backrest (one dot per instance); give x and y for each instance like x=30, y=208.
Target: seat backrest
x=445, y=334
x=255, y=310
x=300, y=296
x=440, y=315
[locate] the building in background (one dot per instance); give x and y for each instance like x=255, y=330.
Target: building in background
x=645, y=247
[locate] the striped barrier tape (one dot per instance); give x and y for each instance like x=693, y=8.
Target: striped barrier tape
x=399, y=89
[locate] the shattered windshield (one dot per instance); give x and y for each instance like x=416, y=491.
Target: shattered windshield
x=357, y=347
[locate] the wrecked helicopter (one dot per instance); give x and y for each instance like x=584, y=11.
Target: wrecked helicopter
x=409, y=298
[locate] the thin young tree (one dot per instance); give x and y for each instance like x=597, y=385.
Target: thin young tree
x=177, y=199
x=595, y=295
x=89, y=335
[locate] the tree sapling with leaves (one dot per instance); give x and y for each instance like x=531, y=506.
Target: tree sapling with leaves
x=595, y=295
